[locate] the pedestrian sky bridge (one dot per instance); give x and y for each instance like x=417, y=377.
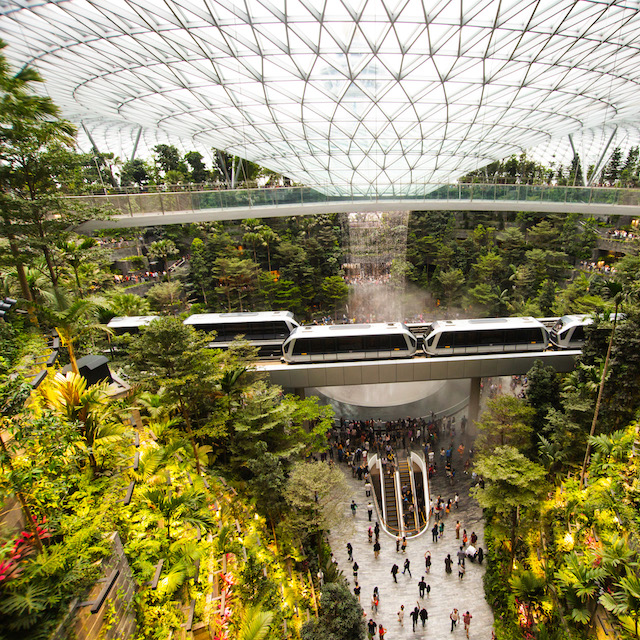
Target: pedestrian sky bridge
x=191, y=205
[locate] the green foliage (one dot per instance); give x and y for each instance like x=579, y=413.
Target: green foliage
x=507, y=420
x=340, y=616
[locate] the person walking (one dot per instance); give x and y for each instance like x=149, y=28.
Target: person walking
x=372, y=625
x=415, y=614
x=376, y=549
x=398, y=540
x=456, y=500
x=381, y=632
x=461, y=555
x=466, y=618
x=441, y=529
x=474, y=538
x=374, y=603
x=354, y=506
x=401, y=615
x=465, y=539
x=356, y=591
x=404, y=544
x=406, y=566
x=355, y=571
x=350, y=551
x=370, y=534
x=370, y=509
x=427, y=561
x=461, y=571
x=447, y=563
x=367, y=488
x=394, y=572
x=424, y=616
x=457, y=529
x=434, y=533
x=455, y=617
x=376, y=530
x=422, y=587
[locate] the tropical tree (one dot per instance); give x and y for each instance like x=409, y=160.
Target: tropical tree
x=163, y=249
x=507, y=420
x=340, y=616
x=70, y=397
x=73, y=319
x=513, y=484
x=625, y=600
x=74, y=253
x=615, y=292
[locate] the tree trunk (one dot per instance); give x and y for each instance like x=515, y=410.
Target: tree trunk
x=28, y=516
x=599, y=399
x=22, y=276
x=194, y=446
x=514, y=527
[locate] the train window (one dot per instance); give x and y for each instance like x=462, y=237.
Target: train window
x=301, y=346
x=491, y=337
x=446, y=339
x=398, y=342
x=430, y=341
x=350, y=343
x=578, y=333
x=376, y=343
x=466, y=338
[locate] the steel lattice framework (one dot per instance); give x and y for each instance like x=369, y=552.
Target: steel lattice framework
x=370, y=93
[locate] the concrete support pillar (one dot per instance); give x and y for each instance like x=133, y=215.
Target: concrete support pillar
x=299, y=391
x=474, y=402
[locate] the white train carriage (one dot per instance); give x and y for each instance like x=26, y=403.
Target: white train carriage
x=568, y=331
x=375, y=341
x=266, y=330
x=485, y=335
x=129, y=324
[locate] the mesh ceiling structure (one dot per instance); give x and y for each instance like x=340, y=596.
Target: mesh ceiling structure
x=359, y=94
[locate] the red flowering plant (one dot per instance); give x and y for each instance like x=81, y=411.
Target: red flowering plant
x=12, y=552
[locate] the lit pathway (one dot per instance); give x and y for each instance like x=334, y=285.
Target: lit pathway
x=447, y=591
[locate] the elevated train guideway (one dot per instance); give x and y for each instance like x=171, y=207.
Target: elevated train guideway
x=419, y=368
x=297, y=377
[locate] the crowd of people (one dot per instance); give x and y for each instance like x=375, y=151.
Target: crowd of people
x=351, y=443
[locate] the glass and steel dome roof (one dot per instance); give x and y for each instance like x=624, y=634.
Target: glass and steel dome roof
x=368, y=93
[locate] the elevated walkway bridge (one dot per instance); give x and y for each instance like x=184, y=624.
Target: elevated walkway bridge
x=192, y=205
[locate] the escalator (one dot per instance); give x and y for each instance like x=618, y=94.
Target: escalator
x=390, y=503
x=405, y=481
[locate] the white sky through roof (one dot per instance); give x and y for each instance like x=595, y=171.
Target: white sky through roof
x=374, y=94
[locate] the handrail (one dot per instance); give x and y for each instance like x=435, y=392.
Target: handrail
x=397, y=486
x=414, y=495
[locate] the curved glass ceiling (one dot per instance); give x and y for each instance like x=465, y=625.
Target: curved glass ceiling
x=370, y=93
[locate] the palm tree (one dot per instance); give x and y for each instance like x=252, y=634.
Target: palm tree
x=626, y=599
x=269, y=236
x=70, y=397
x=173, y=507
x=615, y=291
x=72, y=319
x=74, y=254
x=254, y=623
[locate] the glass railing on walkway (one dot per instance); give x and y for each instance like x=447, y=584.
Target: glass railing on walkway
x=134, y=204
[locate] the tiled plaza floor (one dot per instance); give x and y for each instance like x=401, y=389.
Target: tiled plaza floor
x=447, y=590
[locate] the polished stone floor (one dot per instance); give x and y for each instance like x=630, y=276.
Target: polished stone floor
x=447, y=590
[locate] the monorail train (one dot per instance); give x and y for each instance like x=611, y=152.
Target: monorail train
x=568, y=332
x=485, y=335
x=266, y=330
x=129, y=324
x=331, y=343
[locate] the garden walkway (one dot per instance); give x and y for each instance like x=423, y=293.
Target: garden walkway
x=447, y=590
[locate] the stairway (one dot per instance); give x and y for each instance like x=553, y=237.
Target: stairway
x=405, y=480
